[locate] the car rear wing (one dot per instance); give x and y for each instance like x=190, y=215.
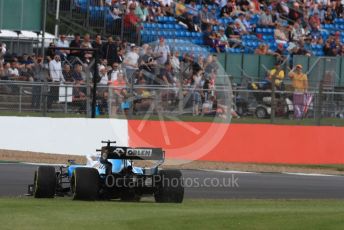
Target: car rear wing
x=127, y=153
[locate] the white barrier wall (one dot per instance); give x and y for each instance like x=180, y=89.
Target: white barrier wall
x=75, y=136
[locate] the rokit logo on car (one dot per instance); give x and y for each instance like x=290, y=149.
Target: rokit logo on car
x=139, y=152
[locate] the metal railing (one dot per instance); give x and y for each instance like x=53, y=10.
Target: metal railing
x=47, y=99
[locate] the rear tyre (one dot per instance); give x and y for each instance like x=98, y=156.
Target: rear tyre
x=85, y=184
x=169, y=188
x=45, y=182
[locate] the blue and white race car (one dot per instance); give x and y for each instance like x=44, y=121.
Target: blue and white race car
x=111, y=175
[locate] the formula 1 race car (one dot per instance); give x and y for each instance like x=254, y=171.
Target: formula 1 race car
x=111, y=175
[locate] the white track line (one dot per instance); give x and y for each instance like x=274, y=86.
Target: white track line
x=286, y=173
x=307, y=174
x=229, y=171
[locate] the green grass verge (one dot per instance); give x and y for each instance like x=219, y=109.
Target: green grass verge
x=192, y=214
x=243, y=120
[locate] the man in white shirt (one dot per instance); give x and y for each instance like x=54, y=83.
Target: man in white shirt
x=56, y=76
x=131, y=62
x=55, y=69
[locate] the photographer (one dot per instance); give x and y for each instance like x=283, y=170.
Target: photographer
x=148, y=65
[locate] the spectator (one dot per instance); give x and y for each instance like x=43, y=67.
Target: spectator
x=131, y=63
x=3, y=75
x=76, y=43
x=234, y=33
x=193, y=10
x=266, y=18
x=240, y=21
x=206, y=18
x=211, y=39
x=276, y=73
x=26, y=73
x=132, y=23
x=196, y=86
x=180, y=8
x=98, y=44
x=113, y=73
x=50, y=53
x=119, y=92
x=67, y=73
x=109, y=51
x=3, y=51
x=248, y=26
x=142, y=11
x=103, y=76
x=162, y=52
x=223, y=38
x=38, y=77
x=280, y=53
x=55, y=76
x=175, y=62
x=280, y=35
x=297, y=32
x=62, y=43
x=339, y=8
x=79, y=98
x=120, y=55
x=329, y=16
x=77, y=74
x=227, y=10
x=13, y=71
x=148, y=65
x=295, y=13
x=166, y=76
x=300, y=85
x=314, y=21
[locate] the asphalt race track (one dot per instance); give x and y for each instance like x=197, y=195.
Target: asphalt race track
x=210, y=184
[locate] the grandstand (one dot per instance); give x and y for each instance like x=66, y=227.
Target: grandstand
x=99, y=17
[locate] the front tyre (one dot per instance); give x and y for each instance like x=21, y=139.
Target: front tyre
x=169, y=187
x=45, y=182
x=85, y=184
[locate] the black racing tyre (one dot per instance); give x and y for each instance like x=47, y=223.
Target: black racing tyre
x=85, y=184
x=261, y=112
x=169, y=187
x=44, y=182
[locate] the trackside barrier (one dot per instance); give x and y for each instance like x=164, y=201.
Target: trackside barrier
x=243, y=142
x=181, y=140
